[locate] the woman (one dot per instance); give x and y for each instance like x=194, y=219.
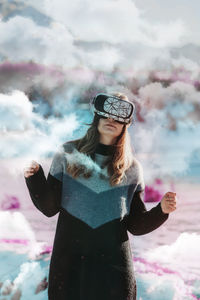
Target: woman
x=97, y=186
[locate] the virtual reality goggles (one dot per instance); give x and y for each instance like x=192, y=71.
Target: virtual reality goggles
x=111, y=106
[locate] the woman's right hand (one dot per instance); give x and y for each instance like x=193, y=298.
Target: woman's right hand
x=31, y=169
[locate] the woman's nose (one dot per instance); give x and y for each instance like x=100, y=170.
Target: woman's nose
x=111, y=119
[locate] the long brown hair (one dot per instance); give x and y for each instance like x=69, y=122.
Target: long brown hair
x=120, y=160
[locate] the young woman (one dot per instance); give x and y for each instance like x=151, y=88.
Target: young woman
x=96, y=184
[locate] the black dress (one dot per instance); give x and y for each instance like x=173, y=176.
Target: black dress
x=91, y=257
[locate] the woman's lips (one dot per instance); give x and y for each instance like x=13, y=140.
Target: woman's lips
x=110, y=125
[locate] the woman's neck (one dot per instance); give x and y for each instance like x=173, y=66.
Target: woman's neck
x=106, y=140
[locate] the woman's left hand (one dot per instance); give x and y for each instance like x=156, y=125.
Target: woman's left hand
x=168, y=202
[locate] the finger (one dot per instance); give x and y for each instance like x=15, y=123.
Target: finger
x=172, y=206
x=170, y=200
x=32, y=168
x=171, y=203
x=29, y=170
x=28, y=173
x=34, y=165
x=29, y=167
x=171, y=194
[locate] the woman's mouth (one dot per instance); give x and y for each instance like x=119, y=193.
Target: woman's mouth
x=110, y=125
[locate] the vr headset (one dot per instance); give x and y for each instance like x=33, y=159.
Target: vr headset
x=111, y=106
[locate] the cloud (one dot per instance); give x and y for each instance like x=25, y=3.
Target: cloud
x=173, y=10
x=98, y=22
x=156, y=96
x=47, y=45
x=91, y=38
x=25, y=133
x=111, y=45
x=16, y=112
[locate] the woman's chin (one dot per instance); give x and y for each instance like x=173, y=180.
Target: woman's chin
x=108, y=131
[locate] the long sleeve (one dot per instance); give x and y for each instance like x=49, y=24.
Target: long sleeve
x=141, y=221
x=46, y=193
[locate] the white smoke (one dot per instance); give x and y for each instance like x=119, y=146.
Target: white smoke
x=26, y=133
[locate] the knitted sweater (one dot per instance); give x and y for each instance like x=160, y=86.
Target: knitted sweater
x=93, y=200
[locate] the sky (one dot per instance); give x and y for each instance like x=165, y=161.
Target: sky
x=55, y=55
